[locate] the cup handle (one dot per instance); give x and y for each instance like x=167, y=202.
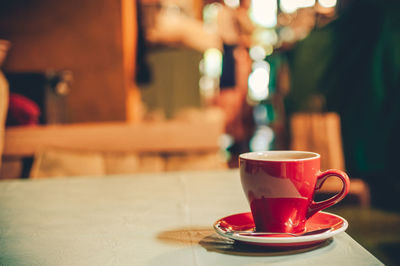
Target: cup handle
x=317, y=206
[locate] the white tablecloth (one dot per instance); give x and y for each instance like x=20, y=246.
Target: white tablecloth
x=158, y=219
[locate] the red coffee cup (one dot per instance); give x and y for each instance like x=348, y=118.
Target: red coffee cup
x=280, y=187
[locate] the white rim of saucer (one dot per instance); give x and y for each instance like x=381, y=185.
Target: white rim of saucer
x=285, y=240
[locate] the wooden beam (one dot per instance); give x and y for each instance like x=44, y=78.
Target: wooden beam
x=176, y=136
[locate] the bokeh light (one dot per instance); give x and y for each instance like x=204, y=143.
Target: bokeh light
x=260, y=64
x=210, y=13
x=264, y=12
x=210, y=17
x=208, y=86
x=327, y=3
x=260, y=114
x=258, y=84
x=257, y=53
x=268, y=49
x=262, y=139
x=212, y=62
x=226, y=141
x=290, y=6
x=265, y=37
x=232, y=3
x=287, y=34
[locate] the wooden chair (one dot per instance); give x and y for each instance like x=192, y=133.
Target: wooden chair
x=320, y=132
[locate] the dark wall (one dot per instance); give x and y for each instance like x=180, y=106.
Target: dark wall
x=82, y=36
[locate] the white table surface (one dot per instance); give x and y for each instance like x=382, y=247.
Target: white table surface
x=157, y=219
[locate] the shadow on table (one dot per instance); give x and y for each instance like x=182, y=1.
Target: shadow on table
x=217, y=244
x=212, y=242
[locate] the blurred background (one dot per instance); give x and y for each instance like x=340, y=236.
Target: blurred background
x=111, y=87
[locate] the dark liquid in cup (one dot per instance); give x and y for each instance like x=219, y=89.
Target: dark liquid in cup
x=279, y=214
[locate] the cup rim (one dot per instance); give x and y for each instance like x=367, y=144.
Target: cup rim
x=248, y=156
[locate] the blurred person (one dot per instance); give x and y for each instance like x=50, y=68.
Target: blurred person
x=235, y=30
x=4, y=45
x=22, y=111
x=15, y=109
x=143, y=71
x=354, y=62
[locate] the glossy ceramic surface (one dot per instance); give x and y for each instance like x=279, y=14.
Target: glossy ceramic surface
x=280, y=187
x=245, y=222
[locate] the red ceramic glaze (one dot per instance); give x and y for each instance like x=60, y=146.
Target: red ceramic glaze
x=280, y=187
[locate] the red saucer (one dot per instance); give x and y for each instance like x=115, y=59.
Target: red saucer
x=244, y=222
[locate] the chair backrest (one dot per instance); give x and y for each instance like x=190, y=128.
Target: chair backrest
x=320, y=133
